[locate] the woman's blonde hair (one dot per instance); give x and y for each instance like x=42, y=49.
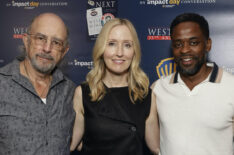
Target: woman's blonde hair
x=138, y=82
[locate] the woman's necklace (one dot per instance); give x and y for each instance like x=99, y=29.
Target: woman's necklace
x=47, y=86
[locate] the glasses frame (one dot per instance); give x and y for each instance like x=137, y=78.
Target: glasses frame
x=42, y=40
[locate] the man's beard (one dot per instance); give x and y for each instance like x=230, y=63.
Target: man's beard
x=45, y=69
x=190, y=71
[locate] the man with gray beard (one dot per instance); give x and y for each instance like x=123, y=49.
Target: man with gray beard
x=36, y=111
x=196, y=103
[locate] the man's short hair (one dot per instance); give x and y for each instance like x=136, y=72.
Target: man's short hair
x=192, y=17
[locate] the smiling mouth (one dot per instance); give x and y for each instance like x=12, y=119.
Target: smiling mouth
x=186, y=61
x=118, y=61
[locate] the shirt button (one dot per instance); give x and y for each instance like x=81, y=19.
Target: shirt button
x=133, y=128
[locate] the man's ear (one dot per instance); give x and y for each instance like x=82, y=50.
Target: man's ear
x=66, y=49
x=208, y=45
x=25, y=41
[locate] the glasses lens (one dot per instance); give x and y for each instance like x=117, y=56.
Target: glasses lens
x=41, y=40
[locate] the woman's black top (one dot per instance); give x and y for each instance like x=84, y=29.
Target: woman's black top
x=114, y=125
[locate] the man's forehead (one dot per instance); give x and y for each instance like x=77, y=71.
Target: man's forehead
x=186, y=26
x=187, y=30
x=49, y=25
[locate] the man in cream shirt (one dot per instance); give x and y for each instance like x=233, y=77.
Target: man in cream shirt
x=195, y=104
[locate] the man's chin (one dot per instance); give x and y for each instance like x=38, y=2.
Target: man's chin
x=189, y=71
x=44, y=69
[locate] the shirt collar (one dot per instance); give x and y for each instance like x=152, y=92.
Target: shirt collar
x=11, y=69
x=215, y=76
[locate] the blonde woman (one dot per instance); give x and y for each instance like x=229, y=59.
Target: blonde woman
x=113, y=107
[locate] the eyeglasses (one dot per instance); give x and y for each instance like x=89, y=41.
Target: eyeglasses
x=41, y=40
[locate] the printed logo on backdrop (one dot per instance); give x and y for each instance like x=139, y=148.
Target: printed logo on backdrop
x=161, y=3
x=158, y=33
x=98, y=13
x=94, y=21
x=198, y=1
x=166, y=67
x=81, y=62
x=35, y=4
x=19, y=31
x=106, y=17
x=174, y=3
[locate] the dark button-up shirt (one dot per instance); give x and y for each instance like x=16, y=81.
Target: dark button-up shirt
x=27, y=125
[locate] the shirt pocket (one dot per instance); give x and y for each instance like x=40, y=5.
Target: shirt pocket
x=12, y=118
